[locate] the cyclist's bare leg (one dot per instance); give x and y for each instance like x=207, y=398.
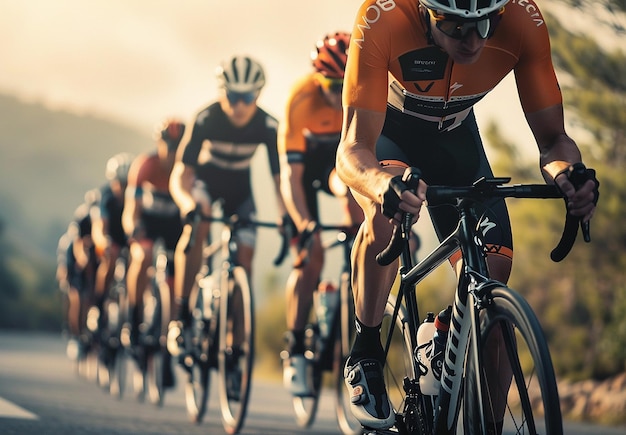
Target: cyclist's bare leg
x=301, y=285
x=104, y=276
x=371, y=283
x=137, y=279
x=187, y=265
x=73, y=311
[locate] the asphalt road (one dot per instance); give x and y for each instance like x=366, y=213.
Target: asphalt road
x=40, y=393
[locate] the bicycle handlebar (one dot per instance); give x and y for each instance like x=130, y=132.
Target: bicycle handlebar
x=235, y=221
x=483, y=189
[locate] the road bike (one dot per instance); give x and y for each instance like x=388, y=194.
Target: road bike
x=327, y=352
x=109, y=327
x=221, y=334
x=470, y=397
x=152, y=359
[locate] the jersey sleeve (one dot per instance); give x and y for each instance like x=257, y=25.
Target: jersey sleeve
x=271, y=142
x=290, y=139
x=536, y=79
x=192, y=148
x=365, y=83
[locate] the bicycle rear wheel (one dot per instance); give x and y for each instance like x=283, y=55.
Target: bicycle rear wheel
x=305, y=407
x=156, y=319
x=344, y=334
x=236, y=344
x=531, y=405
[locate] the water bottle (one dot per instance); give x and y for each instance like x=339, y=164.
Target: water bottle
x=208, y=287
x=428, y=383
x=431, y=345
x=442, y=325
x=326, y=305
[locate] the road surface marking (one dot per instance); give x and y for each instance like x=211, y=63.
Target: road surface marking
x=11, y=410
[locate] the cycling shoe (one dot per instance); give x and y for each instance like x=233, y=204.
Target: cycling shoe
x=369, y=402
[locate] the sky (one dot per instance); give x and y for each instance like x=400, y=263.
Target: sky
x=137, y=61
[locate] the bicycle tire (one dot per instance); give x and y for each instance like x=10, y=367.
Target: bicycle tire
x=156, y=318
x=117, y=315
x=305, y=407
x=197, y=390
x=343, y=336
x=532, y=402
x=400, y=362
x=235, y=362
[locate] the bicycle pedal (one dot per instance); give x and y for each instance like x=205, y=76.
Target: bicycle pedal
x=390, y=431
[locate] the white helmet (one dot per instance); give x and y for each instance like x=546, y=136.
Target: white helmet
x=467, y=9
x=241, y=74
x=118, y=166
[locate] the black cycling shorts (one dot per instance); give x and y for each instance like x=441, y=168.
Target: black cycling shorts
x=457, y=158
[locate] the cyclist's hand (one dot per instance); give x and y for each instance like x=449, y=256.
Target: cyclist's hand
x=286, y=226
x=399, y=198
x=581, y=201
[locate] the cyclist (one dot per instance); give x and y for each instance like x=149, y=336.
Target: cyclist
x=415, y=70
x=107, y=232
x=150, y=213
x=213, y=164
x=76, y=270
x=307, y=144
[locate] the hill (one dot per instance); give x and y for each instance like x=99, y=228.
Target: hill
x=49, y=159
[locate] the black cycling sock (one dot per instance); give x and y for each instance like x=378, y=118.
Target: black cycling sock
x=295, y=342
x=184, y=315
x=133, y=317
x=367, y=343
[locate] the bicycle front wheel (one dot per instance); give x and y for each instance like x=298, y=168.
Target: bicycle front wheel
x=236, y=344
x=305, y=407
x=518, y=386
x=399, y=364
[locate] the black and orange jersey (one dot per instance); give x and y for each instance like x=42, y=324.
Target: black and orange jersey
x=310, y=122
x=392, y=61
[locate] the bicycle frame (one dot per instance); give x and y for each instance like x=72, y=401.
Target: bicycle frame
x=473, y=280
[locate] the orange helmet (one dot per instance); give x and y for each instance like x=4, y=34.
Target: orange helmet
x=330, y=54
x=171, y=131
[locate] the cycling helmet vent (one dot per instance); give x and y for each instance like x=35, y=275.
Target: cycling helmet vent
x=331, y=54
x=465, y=8
x=241, y=74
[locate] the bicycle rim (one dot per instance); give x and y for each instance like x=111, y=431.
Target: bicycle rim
x=117, y=373
x=344, y=333
x=531, y=405
x=399, y=364
x=236, y=344
x=197, y=390
x=156, y=318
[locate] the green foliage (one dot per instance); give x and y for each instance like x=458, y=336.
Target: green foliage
x=580, y=301
x=598, y=95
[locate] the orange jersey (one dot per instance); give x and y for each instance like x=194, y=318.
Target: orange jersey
x=308, y=118
x=392, y=61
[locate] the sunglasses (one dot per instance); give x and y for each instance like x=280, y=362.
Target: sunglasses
x=457, y=28
x=246, y=97
x=332, y=85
